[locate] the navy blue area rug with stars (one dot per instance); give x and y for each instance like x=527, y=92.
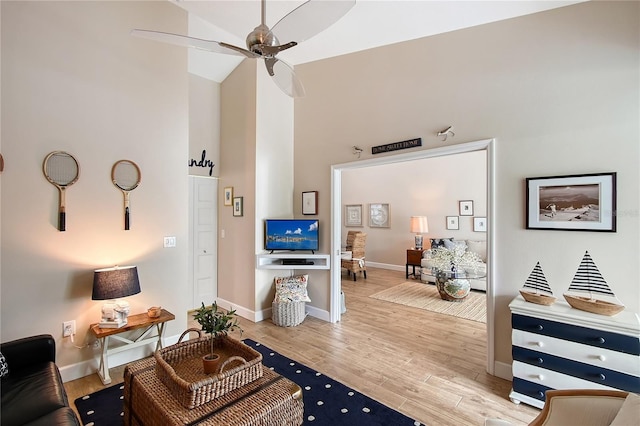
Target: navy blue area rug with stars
x=327, y=402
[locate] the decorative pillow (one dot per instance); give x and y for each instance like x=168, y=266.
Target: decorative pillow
x=291, y=289
x=479, y=248
x=4, y=368
x=451, y=244
x=439, y=242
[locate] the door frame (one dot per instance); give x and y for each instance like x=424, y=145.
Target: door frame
x=487, y=145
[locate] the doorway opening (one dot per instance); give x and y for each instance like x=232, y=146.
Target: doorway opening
x=336, y=221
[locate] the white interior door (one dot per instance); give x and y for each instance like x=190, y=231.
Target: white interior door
x=204, y=219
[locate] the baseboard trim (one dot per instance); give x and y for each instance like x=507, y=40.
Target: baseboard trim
x=502, y=370
x=85, y=368
x=265, y=314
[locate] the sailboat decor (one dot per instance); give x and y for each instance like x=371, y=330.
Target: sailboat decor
x=589, y=280
x=541, y=294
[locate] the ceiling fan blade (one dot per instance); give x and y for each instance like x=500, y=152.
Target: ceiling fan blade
x=309, y=19
x=197, y=43
x=284, y=77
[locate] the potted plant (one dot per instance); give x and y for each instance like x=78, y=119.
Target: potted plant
x=217, y=324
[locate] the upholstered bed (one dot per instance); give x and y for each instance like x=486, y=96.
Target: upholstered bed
x=478, y=247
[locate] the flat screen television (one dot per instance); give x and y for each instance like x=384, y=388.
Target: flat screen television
x=291, y=234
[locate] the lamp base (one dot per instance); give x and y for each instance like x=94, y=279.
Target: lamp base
x=418, y=242
x=114, y=314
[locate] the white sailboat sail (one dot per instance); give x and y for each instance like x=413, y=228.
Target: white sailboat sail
x=537, y=281
x=541, y=294
x=588, y=278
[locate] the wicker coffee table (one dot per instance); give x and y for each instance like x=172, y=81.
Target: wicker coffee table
x=269, y=400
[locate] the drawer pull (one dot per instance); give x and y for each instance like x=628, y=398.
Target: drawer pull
x=540, y=394
x=602, y=376
x=539, y=360
x=601, y=340
x=539, y=377
x=601, y=357
x=540, y=344
x=539, y=327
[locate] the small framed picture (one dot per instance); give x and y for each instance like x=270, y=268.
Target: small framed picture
x=453, y=222
x=237, y=206
x=379, y=216
x=480, y=224
x=572, y=202
x=353, y=215
x=228, y=196
x=310, y=202
x=466, y=207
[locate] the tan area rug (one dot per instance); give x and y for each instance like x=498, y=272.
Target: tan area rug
x=425, y=296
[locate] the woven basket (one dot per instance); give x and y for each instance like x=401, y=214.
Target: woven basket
x=268, y=401
x=288, y=314
x=180, y=368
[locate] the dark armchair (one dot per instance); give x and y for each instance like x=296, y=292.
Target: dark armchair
x=32, y=391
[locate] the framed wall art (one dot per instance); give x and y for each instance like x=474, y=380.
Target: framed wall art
x=310, y=202
x=379, y=215
x=572, y=203
x=228, y=196
x=238, y=206
x=353, y=215
x=453, y=222
x=480, y=224
x=466, y=207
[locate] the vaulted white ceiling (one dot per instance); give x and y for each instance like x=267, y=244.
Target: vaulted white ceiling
x=369, y=24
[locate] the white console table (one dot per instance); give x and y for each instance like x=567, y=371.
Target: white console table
x=559, y=347
x=278, y=261
x=139, y=321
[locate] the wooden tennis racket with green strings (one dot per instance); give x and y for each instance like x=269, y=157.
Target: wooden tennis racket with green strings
x=125, y=175
x=62, y=170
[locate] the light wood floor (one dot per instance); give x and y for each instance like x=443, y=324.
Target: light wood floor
x=428, y=366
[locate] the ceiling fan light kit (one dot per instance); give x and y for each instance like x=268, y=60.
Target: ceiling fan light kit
x=300, y=24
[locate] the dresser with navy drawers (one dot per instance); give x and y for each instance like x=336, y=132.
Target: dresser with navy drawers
x=559, y=347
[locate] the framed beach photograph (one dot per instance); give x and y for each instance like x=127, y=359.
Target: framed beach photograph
x=238, y=206
x=310, y=202
x=572, y=203
x=480, y=224
x=228, y=196
x=453, y=222
x=466, y=207
x=353, y=215
x=379, y=216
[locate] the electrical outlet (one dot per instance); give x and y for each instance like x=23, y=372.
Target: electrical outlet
x=68, y=328
x=169, y=242
x=96, y=344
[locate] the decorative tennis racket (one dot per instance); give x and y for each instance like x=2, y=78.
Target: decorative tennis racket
x=125, y=175
x=62, y=170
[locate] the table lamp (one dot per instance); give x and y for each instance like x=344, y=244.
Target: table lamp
x=419, y=226
x=111, y=284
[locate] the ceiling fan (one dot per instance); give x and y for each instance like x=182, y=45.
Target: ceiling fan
x=300, y=24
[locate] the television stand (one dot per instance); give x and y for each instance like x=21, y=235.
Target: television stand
x=292, y=261
x=312, y=251
x=297, y=262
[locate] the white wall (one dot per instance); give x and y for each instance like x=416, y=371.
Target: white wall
x=429, y=187
x=74, y=79
x=559, y=90
x=204, y=127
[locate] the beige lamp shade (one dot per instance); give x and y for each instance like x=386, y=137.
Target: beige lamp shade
x=419, y=224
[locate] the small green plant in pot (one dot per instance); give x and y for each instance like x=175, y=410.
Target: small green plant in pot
x=215, y=323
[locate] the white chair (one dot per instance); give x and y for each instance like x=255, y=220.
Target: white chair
x=585, y=407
